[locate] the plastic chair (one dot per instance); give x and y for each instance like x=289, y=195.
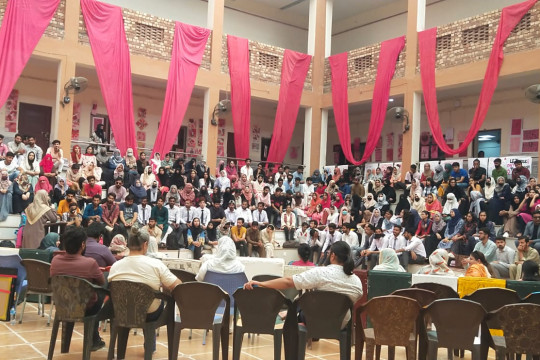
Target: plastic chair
x=520, y=324
x=290, y=294
x=21, y=284
x=258, y=309
x=457, y=322
x=394, y=321
x=494, y=298
x=131, y=301
x=184, y=276
x=533, y=298
x=423, y=297
x=198, y=303
x=72, y=294
x=442, y=291
x=324, y=312
x=38, y=275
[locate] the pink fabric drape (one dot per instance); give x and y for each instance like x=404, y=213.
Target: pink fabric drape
x=23, y=25
x=386, y=68
x=238, y=50
x=293, y=75
x=105, y=26
x=187, y=53
x=510, y=17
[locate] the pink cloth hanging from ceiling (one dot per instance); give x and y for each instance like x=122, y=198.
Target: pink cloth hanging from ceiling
x=187, y=53
x=105, y=26
x=23, y=25
x=238, y=51
x=386, y=68
x=427, y=42
x=293, y=75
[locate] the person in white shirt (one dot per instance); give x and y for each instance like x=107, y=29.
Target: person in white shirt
x=288, y=223
x=244, y=213
x=308, y=188
x=350, y=237
x=302, y=234
x=333, y=215
x=203, y=213
x=377, y=244
x=280, y=175
x=33, y=147
x=260, y=216
x=57, y=154
x=11, y=165
x=259, y=185
x=17, y=147
x=246, y=169
x=174, y=216
x=144, y=211
x=336, y=277
x=414, y=252
x=395, y=240
x=331, y=236
x=186, y=214
x=230, y=212
x=505, y=257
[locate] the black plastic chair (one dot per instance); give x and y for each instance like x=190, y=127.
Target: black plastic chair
x=324, y=312
x=422, y=296
x=71, y=296
x=198, y=303
x=457, y=322
x=131, y=301
x=290, y=294
x=258, y=309
x=38, y=275
x=442, y=291
x=183, y=275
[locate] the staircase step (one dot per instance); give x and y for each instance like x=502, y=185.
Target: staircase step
x=12, y=221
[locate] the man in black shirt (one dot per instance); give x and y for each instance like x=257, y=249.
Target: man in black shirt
x=216, y=213
x=275, y=210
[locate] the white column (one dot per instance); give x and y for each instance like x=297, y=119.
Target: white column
x=421, y=16
x=210, y=14
x=307, y=139
x=415, y=118
x=206, y=123
x=324, y=139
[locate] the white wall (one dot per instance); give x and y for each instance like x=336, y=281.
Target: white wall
x=437, y=14
x=193, y=12
x=265, y=31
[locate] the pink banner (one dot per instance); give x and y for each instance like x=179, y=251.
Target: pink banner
x=23, y=25
x=238, y=50
x=427, y=42
x=105, y=26
x=293, y=75
x=187, y=54
x=386, y=68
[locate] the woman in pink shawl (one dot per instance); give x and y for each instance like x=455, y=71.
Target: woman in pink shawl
x=187, y=193
x=337, y=200
x=326, y=201
x=231, y=170
x=43, y=184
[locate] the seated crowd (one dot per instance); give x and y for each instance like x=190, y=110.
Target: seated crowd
x=183, y=205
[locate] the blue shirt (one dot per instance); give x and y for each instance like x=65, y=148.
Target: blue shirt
x=90, y=211
x=459, y=174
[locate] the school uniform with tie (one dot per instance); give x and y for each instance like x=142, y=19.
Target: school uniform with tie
x=203, y=215
x=260, y=216
x=144, y=214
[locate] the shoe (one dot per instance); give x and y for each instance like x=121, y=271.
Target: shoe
x=98, y=345
x=505, y=234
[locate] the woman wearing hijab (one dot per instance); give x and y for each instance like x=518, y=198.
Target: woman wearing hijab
x=190, y=165
x=509, y=216
x=6, y=195
x=167, y=163
x=428, y=173
x=382, y=204
x=148, y=178
x=138, y=191
x=173, y=193
x=76, y=155
x=102, y=157
x=99, y=134
x=50, y=242
x=369, y=202
x=231, y=170
x=203, y=194
x=376, y=218
x=119, y=247
x=153, y=193
x=59, y=192
x=344, y=217
x=163, y=178
x=224, y=261
x=228, y=196
x=47, y=168
x=417, y=202
x=155, y=163
x=247, y=195
x=389, y=191
x=438, y=264
x=89, y=158
x=464, y=241
x=23, y=193
x=116, y=159
x=131, y=167
x=43, y=184
x=337, y=175
x=403, y=204
x=315, y=200
x=38, y=213
x=453, y=227
x=451, y=203
x=438, y=227
x=489, y=188
x=501, y=197
x=223, y=181
x=31, y=168
x=220, y=167
x=438, y=175
x=187, y=193
x=388, y=261
x=196, y=238
x=177, y=178
x=326, y=201
x=477, y=203
x=337, y=200
x=521, y=187
x=244, y=181
x=119, y=173
x=432, y=204
x=316, y=176
x=193, y=179
x=142, y=163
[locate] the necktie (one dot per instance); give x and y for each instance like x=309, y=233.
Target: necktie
x=260, y=217
x=187, y=215
x=202, y=216
x=144, y=215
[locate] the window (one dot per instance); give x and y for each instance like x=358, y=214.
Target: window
x=268, y=60
x=444, y=42
x=523, y=25
x=148, y=32
x=475, y=35
x=363, y=63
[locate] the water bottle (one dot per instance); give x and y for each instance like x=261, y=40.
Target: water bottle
x=12, y=314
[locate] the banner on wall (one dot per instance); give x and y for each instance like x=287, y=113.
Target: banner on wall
x=483, y=162
x=507, y=162
x=383, y=165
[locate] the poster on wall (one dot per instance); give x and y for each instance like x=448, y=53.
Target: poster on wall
x=369, y=168
x=516, y=127
x=434, y=163
x=529, y=146
x=507, y=162
x=530, y=134
x=400, y=146
x=221, y=138
x=76, y=121
x=515, y=144
x=12, y=105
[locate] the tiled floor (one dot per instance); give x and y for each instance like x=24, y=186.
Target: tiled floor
x=30, y=340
